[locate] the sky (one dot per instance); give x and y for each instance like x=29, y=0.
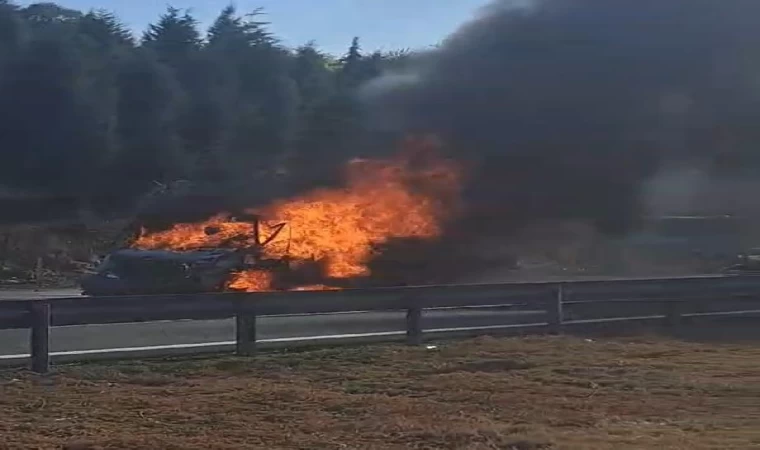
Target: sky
x=380, y=24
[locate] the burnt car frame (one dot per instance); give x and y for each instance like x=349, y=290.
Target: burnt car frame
x=132, y=271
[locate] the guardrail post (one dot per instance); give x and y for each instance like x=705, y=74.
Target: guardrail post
x=40, y=339
x=414, y=324
x=554, y=310
x=673, y=313
x=245, y=328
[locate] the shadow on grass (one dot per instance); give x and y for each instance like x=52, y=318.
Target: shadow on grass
x=698, y=330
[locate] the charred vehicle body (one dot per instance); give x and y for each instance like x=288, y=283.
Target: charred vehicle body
x=134, y=271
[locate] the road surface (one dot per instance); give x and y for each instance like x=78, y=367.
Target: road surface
x=32, y=294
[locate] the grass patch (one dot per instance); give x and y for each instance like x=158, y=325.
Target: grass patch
x=513, y=393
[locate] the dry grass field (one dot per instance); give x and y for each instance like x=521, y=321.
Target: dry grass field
x=487, y=393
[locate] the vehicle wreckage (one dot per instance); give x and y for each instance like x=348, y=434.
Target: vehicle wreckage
x=135, y=271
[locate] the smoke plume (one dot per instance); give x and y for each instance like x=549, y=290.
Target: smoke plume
x=565, y=108
x=574, y=111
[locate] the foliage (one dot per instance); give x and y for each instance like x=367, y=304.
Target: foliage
x=88, y=111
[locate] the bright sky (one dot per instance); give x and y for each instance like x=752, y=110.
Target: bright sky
x=380, y=24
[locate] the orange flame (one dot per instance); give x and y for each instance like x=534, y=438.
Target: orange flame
x=214, y=232
x=401, y=197
x=251, y=281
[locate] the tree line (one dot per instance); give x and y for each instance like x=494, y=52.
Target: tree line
x=90, y=111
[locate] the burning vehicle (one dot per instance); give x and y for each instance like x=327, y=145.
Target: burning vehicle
x=326, y=238
x=202, y=269
x=131, y=271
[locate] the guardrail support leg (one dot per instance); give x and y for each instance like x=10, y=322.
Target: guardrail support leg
x=40, y=340
x=673, y=314
x=414, y=326
x=554, y=311
x=245, y=330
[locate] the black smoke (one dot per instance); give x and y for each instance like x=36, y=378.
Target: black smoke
x=564, y=108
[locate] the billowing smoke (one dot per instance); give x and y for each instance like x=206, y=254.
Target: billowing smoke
x=565, y=108
x=575, y=112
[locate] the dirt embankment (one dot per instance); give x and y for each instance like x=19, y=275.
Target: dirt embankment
x=53, y=255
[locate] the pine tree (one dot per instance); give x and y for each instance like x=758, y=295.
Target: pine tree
x=104, y=43
x=80, y=95
x=12, y=32
x=147, y=127
x=312, y=75
x=175, y=38
x=49, y=132
x=350, y=71
x=234, y=33
x=256, y=85
x=103, y=29
x=49, y=14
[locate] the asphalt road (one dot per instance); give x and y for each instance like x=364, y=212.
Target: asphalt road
x=32, y=294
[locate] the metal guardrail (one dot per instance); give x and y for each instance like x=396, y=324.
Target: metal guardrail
x=673, y=295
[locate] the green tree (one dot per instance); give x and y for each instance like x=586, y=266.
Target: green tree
x=313, y=76
x=105, y=43
x=330, y=122
x=174, y=39
x=351, y=66
x=233, y=33
x=46, y=14
x=80, y=95
x=11, y=32
x=104, y=31
x=49, y=132
x=255, y=85
x=149, y=144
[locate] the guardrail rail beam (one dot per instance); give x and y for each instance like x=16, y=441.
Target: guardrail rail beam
x=682, y=297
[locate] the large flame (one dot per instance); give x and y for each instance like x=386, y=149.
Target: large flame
x=407, y=196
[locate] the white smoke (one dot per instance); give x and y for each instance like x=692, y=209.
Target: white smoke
x=377, y=88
